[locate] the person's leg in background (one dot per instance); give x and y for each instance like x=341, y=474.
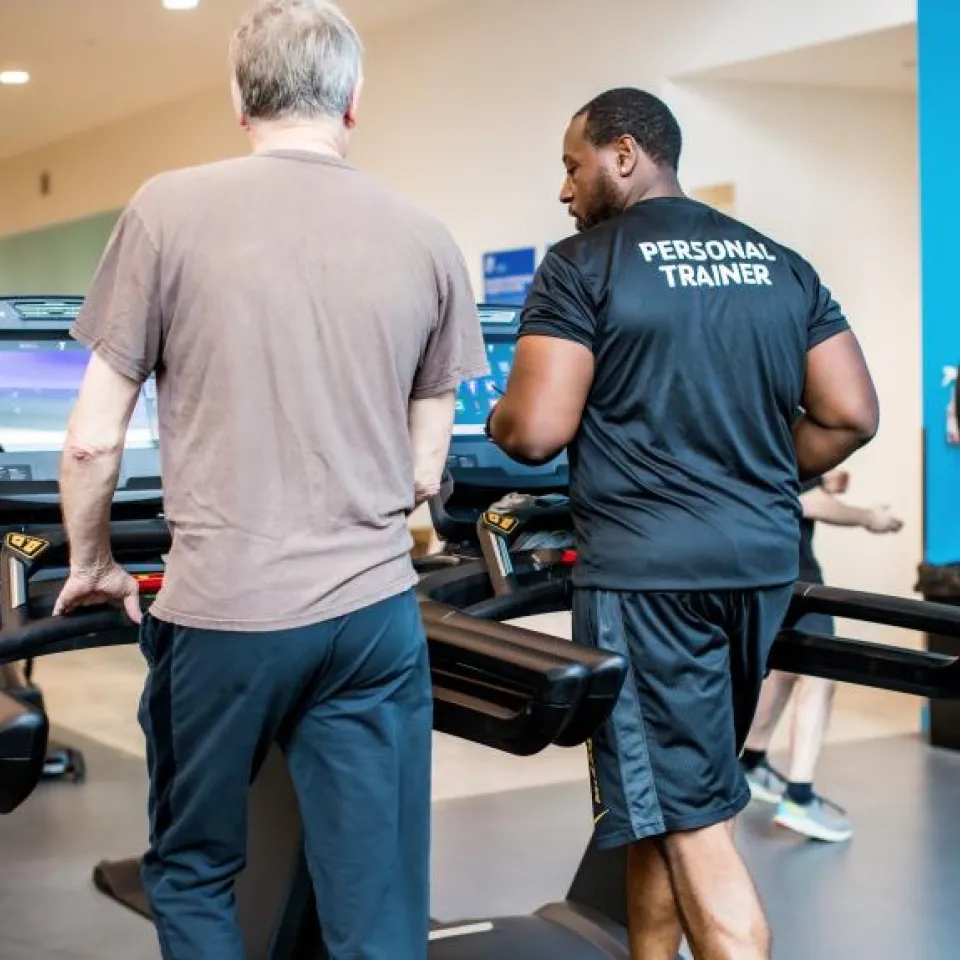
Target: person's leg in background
x=801, y=809
x=767, y=784
x=359, y=754
x=209, y=710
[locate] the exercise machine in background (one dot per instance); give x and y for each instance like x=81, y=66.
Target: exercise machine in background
x=41, y=369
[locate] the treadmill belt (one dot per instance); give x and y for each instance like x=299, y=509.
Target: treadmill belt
x=526, y=938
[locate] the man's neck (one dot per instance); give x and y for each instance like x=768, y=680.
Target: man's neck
x=322, y=137
x=666, y=185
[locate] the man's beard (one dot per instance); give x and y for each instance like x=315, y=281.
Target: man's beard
x=604, y=204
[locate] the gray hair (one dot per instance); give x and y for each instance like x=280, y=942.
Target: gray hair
x=296, y=58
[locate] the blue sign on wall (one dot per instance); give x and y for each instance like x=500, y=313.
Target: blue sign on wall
x=939, y=91
x=507, y=275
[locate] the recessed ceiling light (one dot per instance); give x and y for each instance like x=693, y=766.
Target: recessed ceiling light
x=13, y=78
x=181, y=4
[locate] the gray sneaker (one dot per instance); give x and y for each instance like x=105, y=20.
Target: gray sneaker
x=820, y=820
x=766, y=784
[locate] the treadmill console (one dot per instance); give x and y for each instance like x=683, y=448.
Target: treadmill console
x=473, y=459
x=478, y=472
x=41, y=370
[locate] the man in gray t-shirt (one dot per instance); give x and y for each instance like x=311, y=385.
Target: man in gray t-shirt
x=308, y=331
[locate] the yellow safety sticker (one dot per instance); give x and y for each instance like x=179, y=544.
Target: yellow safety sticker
x=25, y=546
x=497, y=521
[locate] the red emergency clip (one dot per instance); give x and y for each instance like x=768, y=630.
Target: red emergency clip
x=149, y=582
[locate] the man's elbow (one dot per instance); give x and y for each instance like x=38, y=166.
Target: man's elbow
x=865, y=423
x=856, y=418
x=84, y=449
x=531, y=450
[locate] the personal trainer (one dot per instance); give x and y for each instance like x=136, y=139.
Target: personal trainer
x=669, y=347
x=308, y=331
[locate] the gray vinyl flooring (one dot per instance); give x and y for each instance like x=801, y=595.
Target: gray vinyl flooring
x=892, y=892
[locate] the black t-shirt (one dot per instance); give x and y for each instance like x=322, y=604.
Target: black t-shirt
x=810, y=571
x=683, y=472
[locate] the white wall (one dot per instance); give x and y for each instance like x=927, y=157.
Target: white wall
x=99, y=170
x=514, y=67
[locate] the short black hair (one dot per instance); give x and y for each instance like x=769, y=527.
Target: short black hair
x=627, y=111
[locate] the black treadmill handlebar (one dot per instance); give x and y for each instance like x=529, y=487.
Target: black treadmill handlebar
x=561, y=692
x=544, y=674
x=84, y=630
x=490, y=686
x=918, y=672
x=923, y=616
x=517, y=641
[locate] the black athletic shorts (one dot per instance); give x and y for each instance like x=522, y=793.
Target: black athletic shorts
x=667, y=759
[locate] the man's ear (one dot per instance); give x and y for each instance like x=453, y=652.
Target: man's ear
x=628, y=156
x=237, y=100
x=353, y=108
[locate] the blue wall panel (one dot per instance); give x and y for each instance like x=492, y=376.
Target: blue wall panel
x=939, y=104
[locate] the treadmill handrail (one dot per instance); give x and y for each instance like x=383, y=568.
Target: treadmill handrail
x=436, y=615
x=513, y=661
x=888, y=667
x=547, y=596
x=461, y=709
x=84, y=630
x=923, y=616
x=141, y=538
x=932, y=675
x=605, y=676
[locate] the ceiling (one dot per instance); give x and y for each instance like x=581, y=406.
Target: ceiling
x=93, y=62
x=884, y=60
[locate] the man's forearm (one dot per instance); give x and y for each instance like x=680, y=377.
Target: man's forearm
x=431, y=425
x=821, y=506
x=88, y=481
x=822, y=449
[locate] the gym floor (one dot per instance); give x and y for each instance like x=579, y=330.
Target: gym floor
x=509, y=832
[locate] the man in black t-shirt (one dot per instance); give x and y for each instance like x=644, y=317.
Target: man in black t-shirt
x=668, y=347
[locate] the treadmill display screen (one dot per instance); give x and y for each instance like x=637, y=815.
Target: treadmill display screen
x=39, y=384
x=476, y=398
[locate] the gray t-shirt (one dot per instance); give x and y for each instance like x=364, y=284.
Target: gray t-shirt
x=291, y=308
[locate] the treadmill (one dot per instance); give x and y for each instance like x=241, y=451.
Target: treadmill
x=41, y=368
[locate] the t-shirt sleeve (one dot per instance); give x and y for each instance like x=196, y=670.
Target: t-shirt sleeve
x=559, y=303
x=455, y=350
x=121, y=318
x=826, y=319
